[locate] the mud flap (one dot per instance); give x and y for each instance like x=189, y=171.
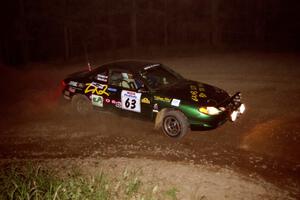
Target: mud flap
x=159, y=119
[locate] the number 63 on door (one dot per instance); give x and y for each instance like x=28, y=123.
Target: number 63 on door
x=131, y=101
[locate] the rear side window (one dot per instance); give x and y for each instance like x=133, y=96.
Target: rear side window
x=123, y=79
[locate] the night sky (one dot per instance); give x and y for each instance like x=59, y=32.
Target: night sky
x=36, y=30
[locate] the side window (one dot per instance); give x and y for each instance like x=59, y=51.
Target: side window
x=123, y=79
x=101, y=76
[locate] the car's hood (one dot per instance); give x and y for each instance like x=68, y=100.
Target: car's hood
x=194, y=92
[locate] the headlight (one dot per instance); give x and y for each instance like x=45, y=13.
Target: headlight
x=242, y=108
x=234, y=115
x=209, y=110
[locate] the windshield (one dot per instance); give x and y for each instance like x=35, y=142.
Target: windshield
x=158, y=77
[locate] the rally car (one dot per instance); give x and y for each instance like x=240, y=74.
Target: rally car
x=152, y=91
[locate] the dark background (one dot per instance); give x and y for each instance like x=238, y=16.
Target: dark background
x=40, y=30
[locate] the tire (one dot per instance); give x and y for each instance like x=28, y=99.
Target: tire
x=81, y=104
x=174, y=124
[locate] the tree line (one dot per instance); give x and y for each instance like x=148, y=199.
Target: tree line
x=43, y=30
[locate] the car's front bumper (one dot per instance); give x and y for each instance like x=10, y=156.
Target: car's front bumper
x=231, y=108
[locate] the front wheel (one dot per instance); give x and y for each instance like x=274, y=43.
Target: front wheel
x=175, y=124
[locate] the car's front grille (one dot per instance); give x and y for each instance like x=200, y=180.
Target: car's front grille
x=232, y=103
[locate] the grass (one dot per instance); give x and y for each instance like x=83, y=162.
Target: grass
x=172, y=193
x=32, y=182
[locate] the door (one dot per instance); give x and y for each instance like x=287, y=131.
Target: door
x=131, y=100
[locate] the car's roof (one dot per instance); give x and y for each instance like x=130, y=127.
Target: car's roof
x=132, y=65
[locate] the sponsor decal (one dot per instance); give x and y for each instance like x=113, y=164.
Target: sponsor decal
x=150, y=66
x=155, y=108
x=112, y=101
x=202, y=95
x=201, y=89
x=112, y=89
x=118, y=104
x=164, y=99
x=129, y=93
x=97, y=100
x=73, y=83
x=197, y=92
x=175, y=102
x=193, y=87
x=146, y=100
x=80, y=85
x=76, y=84
x=194, y=96
x=96, y=88
x=131, y=101
x=101, y=77
x=194, y=93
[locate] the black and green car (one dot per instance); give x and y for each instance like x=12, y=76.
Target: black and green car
x=152, y=91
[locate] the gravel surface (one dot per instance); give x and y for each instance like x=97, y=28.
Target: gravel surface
x=263, y=145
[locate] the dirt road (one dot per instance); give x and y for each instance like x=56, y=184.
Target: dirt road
x=262, y=144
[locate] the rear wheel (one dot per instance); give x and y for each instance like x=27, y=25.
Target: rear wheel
x=174, y=124
x=81, y=104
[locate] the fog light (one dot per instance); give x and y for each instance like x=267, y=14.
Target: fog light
x=242, y=108
x=234, y=115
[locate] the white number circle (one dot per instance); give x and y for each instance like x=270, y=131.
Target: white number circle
x=131, y=101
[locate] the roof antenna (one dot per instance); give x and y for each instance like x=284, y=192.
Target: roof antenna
x=86, y=56
x=89, y=66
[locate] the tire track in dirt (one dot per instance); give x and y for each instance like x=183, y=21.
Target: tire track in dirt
x=42, y=140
